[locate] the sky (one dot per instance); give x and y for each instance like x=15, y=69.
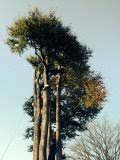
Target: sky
x=96, y=24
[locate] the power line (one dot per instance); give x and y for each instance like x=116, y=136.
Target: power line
x=11, y=138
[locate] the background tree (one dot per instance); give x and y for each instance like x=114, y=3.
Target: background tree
x=101, y=141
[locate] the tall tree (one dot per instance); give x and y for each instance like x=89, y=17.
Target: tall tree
x=54, y=45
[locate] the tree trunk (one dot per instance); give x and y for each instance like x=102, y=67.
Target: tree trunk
x=49, y=131
x=58, y=121
x=36, y=135
x=44, y=123
x=36, y=106
x=52, y=147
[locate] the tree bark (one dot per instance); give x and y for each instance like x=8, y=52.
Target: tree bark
x=49, y=131
x=44, y=123
x=52, y=147
x=36, y=135
x=58, y=121
x=36, y=106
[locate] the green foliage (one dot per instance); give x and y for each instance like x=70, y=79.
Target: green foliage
x=49, y=36
x=75, y=112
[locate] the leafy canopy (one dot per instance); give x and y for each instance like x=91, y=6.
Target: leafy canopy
x=48, y=36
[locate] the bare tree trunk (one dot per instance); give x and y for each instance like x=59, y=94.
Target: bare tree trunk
x=36, y=106
x=36, y=135
x=58, y=121
x=49, y=131
x=52, y=147
x=44, y=123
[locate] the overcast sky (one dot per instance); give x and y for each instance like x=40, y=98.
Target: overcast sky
x=97, y=25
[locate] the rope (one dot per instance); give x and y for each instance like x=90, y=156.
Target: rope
x=11, y=138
